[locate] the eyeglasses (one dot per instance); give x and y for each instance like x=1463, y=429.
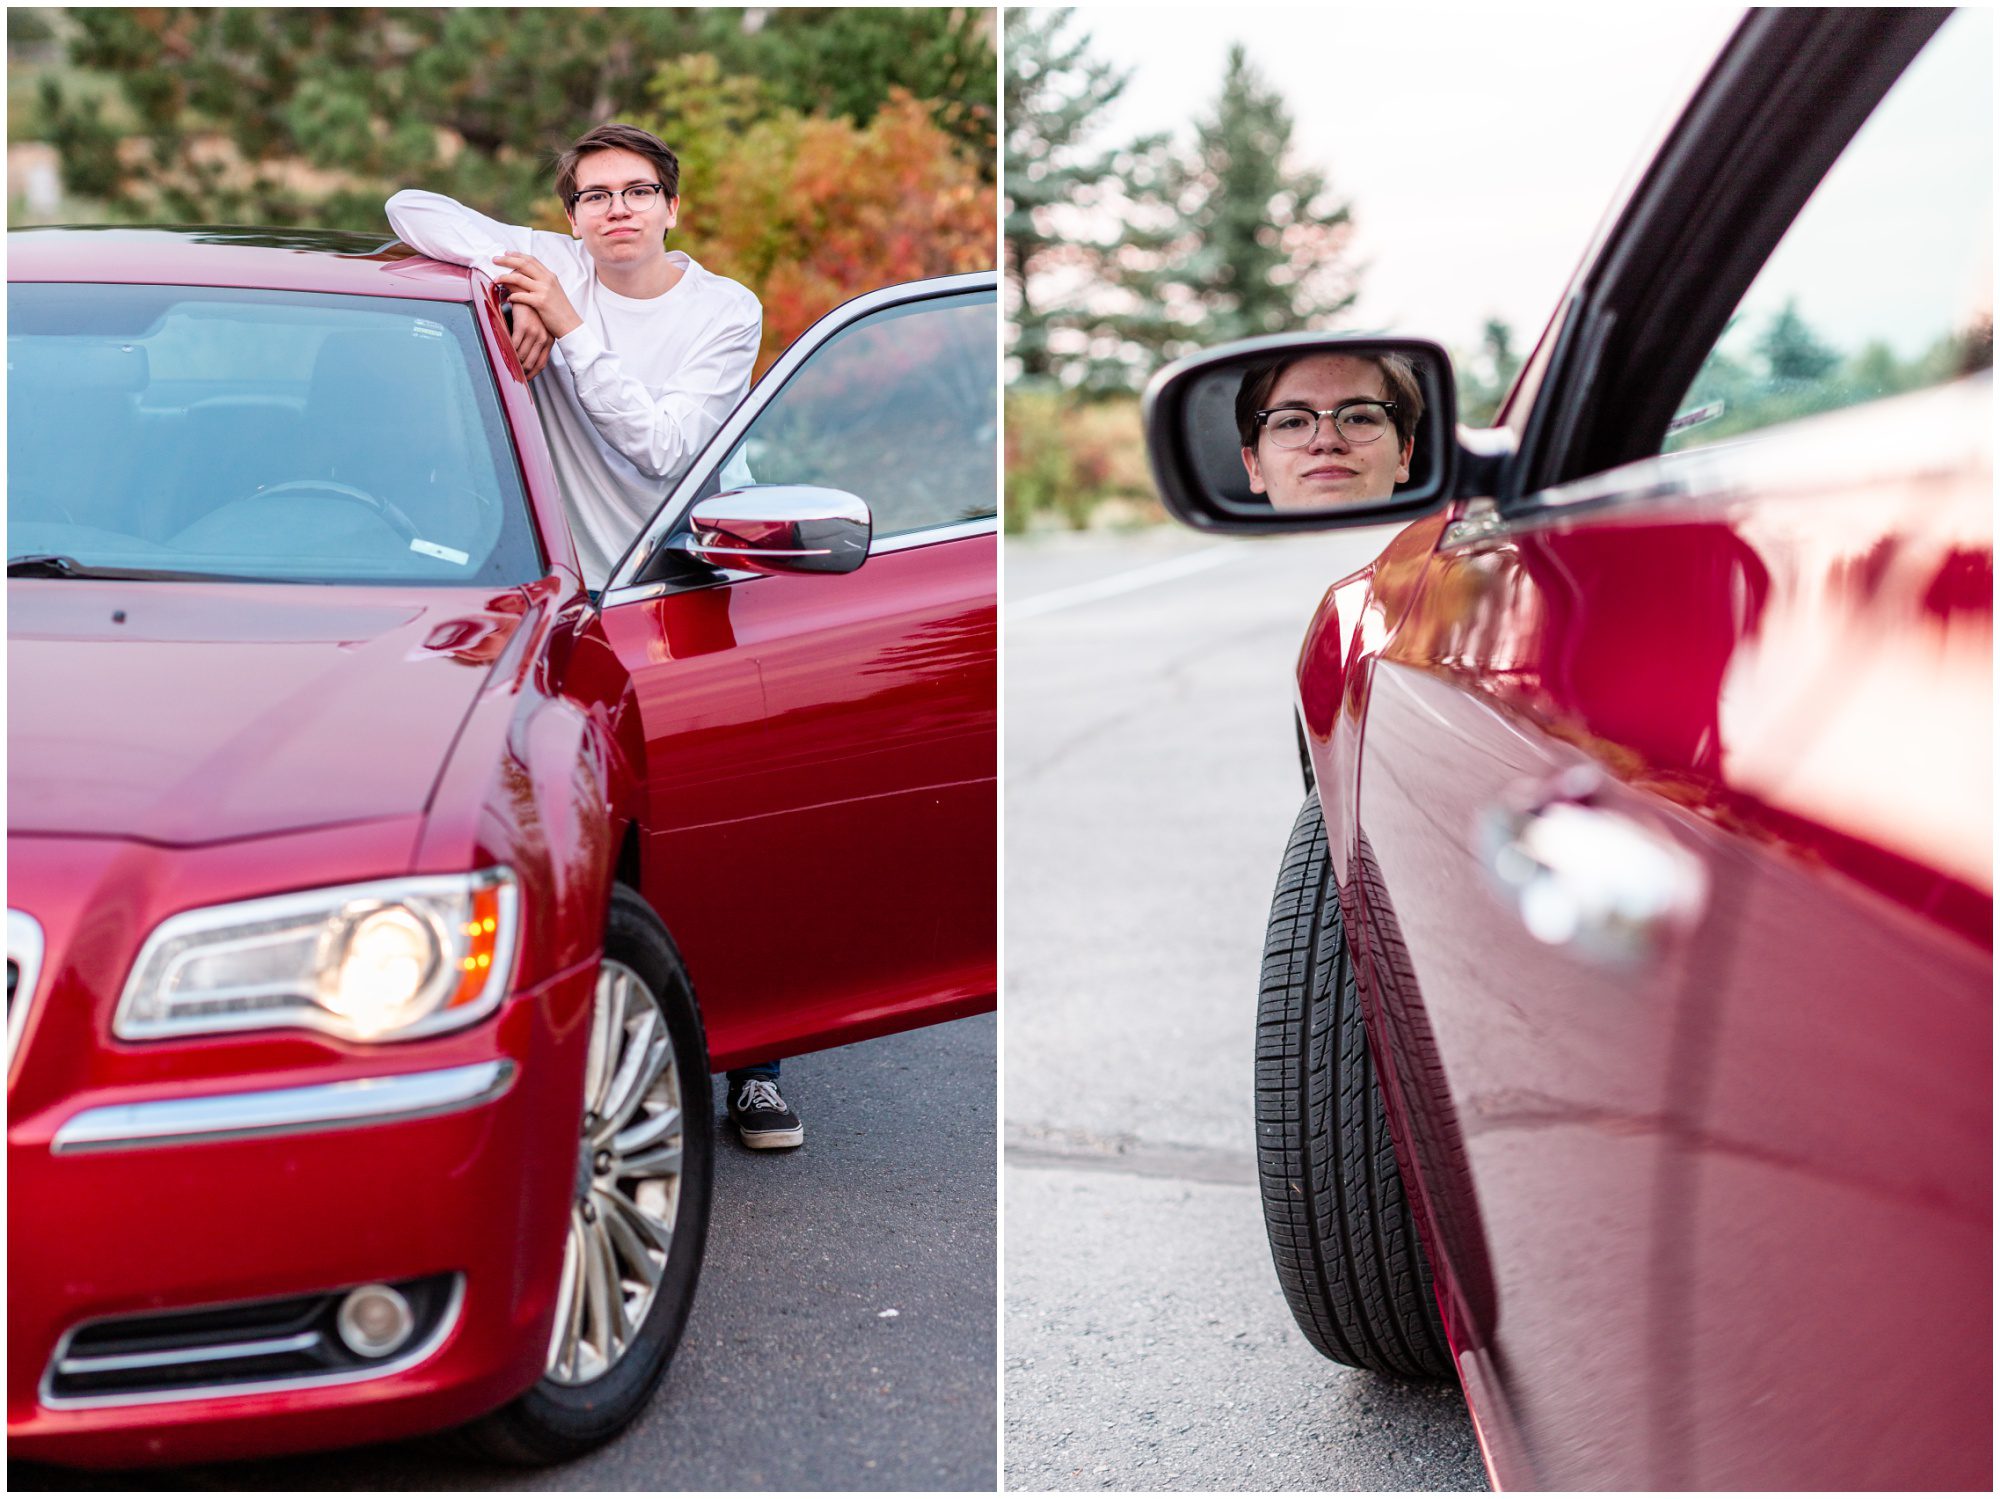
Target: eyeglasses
x=1357, y=421
x=638, y=198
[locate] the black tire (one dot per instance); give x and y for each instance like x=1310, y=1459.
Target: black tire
x=1346, y=1251
x=554, y=1421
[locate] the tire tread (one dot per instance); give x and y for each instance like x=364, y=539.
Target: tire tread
x=1340, y=1230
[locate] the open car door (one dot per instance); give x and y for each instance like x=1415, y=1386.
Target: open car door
x=821, y=815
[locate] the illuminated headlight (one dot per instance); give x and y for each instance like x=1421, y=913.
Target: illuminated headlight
x=375, y=962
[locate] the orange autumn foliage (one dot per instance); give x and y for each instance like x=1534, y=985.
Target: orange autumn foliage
x=810, y=211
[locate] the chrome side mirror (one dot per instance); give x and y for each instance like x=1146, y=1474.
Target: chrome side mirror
x=780, y=528
x=1304, y=431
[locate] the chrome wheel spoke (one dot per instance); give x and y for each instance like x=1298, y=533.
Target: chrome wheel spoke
x=641, y=1062
x=647, y=1132
x=633, y=1249
x=565, y=1348
x=607, y=1025
x=621, y=1328
x=601, y=1292
x=661, y=1235
x=662, y=1160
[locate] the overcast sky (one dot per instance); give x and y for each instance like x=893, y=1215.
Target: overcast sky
x=1479, y=147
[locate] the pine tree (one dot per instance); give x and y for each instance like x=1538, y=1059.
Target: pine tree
x=1485, y=379
x=1792, y=351
x=844, y=60
x=1233, y=240
x=1056, y=95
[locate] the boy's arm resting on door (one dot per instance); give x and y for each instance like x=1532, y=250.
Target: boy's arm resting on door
x=661, y=434
x=447, y=230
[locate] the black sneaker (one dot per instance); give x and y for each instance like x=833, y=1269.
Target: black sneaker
x=762, y=1117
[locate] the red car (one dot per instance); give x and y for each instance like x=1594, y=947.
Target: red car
x=380, y=897
x=1625, y=1027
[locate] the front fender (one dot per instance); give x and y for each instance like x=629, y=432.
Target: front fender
x=1348, y=631
x=539, y=781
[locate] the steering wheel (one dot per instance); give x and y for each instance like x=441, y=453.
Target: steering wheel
x=393, y=514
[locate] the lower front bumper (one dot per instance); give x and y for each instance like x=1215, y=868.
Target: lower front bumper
x=164, y=1204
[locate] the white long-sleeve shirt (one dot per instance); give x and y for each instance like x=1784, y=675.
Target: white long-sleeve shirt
x=641, y=385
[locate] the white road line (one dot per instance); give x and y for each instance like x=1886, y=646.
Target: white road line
x=1125, y=582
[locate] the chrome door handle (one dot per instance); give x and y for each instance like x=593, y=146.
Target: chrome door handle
x=1584, y=877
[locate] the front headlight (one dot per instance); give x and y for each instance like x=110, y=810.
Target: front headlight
x=376, y=962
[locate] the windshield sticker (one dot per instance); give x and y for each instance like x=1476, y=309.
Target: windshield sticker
x=422, y=328
x=443, y=554
x=1694, y=417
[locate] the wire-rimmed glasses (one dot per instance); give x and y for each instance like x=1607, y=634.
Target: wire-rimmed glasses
x=1356, y=421
x=638, y=197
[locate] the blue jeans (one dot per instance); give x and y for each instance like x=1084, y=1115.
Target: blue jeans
x=766, y=1070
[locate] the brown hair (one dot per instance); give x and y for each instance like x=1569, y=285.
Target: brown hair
x=1398, y=373
x=616, y=137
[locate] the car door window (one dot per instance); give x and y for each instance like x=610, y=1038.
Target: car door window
x=1883, y=284
x=898, y=408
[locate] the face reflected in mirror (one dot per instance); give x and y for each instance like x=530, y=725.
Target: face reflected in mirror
x=1324, y=430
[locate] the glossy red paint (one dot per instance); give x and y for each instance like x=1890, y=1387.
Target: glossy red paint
x=800, y=771
x=278, y=259
x=231, y=711
x=1779, y=661
x=856, y=707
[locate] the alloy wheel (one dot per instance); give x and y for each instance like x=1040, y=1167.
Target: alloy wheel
x=621, y=1223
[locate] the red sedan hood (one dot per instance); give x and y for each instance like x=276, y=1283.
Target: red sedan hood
x=186, y=713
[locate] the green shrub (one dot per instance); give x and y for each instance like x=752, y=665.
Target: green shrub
x=1075, y=463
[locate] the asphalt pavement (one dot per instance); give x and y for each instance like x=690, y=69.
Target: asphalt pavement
x=790, y=1375
x=1150, y=781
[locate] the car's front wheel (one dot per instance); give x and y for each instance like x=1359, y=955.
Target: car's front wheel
x=1346, y=1251
x=639, y=1218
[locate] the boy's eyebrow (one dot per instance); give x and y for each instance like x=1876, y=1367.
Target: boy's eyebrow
x=1297, y=404
x=600, y=187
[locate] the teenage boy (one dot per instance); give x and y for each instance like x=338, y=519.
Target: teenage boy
x=651, y=351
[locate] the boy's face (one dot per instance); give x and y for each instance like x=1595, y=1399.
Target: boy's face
x=618, y=234
x=1331, y=468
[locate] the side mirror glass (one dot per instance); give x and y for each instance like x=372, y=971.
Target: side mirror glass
x=1304, y=432
x=780, y=528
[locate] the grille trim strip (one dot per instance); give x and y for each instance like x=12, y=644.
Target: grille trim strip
x=212, y=1353
x=236, y=1116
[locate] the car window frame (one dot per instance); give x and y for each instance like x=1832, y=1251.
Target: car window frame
x=628, y=581
x=549, y=521
x=1762, y=131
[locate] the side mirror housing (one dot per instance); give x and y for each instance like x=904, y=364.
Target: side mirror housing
x=780, y=528
x=1372, y=437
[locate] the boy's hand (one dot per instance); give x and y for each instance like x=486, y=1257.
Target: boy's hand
x=535, y=284
x=531, y=337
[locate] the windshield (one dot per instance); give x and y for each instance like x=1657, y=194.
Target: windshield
x=169, y=430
